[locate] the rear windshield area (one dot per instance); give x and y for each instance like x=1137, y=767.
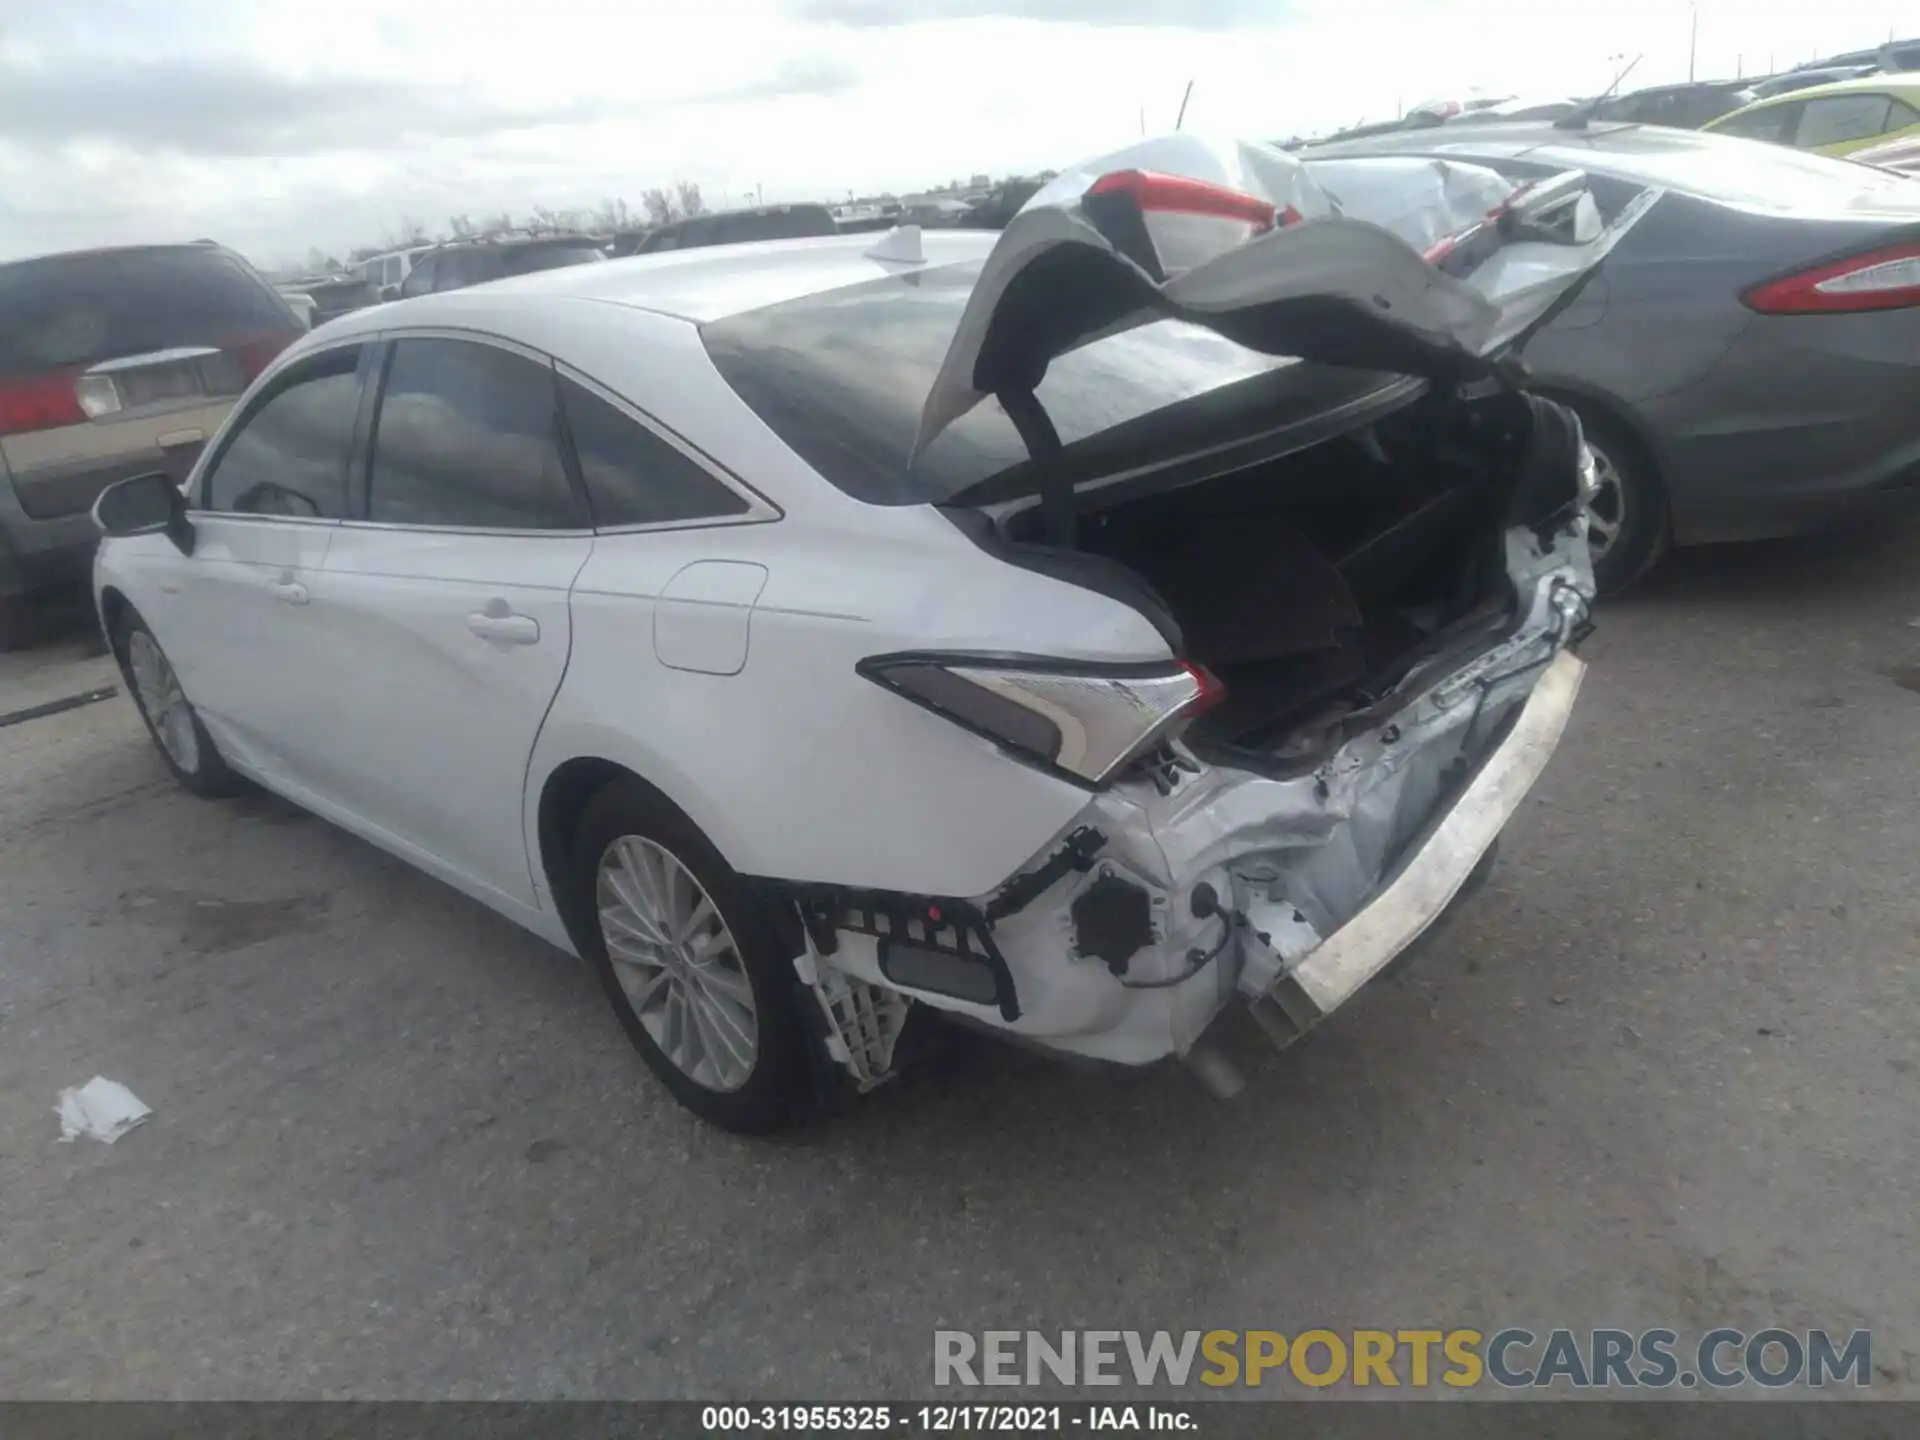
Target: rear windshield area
x=841, y=377
x=78, y=310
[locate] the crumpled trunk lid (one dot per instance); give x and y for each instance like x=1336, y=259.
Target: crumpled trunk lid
x=1172, y=228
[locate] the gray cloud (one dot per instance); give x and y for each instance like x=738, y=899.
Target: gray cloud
x=226, y=106
x=1173, y=14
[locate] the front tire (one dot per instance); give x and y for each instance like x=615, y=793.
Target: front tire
x=178, y=734
x=690, y=961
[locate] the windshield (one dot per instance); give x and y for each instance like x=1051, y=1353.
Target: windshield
x=81, y=309
x=842, y=377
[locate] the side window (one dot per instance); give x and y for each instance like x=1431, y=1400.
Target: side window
x=634, y=477
x=289, y=455
x=393, y=271
x=466, y=436
x=1900, y=115
x=1840, y=118
x=1775, y=123
x=420, y=279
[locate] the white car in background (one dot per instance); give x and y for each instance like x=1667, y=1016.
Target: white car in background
x=387, y=273
x=1159, y=605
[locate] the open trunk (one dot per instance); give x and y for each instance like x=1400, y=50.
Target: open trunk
x=1312, y=584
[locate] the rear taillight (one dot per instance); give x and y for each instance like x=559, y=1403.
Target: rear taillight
x=256, y=354
x=38, y=402
x=1168, y=224
x=1179, y=194
x=1884, y=279
x=1085, y=720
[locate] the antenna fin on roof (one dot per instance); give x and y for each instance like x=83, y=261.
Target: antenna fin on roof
x=900, y=245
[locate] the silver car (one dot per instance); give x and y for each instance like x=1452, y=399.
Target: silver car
x=1746, y=364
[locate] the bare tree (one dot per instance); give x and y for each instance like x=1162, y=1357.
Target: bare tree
x=614, y=214
x=690, y=201
x=494, y=224
x=659, y=206
x=460, y=227
x=409, y=232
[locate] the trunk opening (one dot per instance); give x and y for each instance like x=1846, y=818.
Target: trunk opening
x=1311, y=584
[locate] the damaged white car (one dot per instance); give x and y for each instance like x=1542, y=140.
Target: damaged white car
x=1157, y=606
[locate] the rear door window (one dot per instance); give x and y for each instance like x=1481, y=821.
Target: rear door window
x=467, y=437
x=288, y=455
x=1837, y=119
x=633, y=476
x=1775, y=123
x=73, y=311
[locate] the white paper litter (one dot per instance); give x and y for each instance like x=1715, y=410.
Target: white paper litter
x=102, y=1108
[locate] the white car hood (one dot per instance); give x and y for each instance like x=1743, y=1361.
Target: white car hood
x=1342, y=279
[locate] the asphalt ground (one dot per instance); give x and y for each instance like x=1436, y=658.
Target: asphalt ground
x=1662, y=1071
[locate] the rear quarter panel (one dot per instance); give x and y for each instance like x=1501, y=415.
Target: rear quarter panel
x=797, y=767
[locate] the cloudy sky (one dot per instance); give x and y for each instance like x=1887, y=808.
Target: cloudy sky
x=278, y=127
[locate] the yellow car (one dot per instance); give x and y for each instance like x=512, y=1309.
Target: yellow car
x=1834, y=119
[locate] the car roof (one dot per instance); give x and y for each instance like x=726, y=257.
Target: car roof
x=1906, y=83
x=705, y=284
x=202, y=246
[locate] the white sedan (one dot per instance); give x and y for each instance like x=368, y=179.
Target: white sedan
x=1160, y=604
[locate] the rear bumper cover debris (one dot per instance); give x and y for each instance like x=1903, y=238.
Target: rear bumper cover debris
x=1352, y=955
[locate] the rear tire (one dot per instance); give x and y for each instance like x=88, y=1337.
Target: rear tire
x=1628, y=526
x=183, y=742
x=690, y=960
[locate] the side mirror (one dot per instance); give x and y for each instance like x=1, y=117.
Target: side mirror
x=145, y=505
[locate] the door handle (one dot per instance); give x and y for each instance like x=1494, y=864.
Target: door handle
x=508, y=629
x=288, y=592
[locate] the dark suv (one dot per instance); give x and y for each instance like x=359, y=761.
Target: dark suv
x=112, y=363
x=732, y=227
x=474, y=262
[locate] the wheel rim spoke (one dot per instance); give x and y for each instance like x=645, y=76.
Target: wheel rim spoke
x=677, y=963
x=161, y=700
x=1607, y=510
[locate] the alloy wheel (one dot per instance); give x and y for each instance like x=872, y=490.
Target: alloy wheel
x=160, y=696
x=678, y=963
x=1606, y=507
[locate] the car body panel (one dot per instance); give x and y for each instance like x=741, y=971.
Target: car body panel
x=479, y=627
x=227, y=616
x=1900, y=155
x=1759, y=426
x=902, y=577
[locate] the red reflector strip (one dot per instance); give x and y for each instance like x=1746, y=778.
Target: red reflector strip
x=256, y=354
x=1845, y=286
x=1152, y=191
x=44, y=402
